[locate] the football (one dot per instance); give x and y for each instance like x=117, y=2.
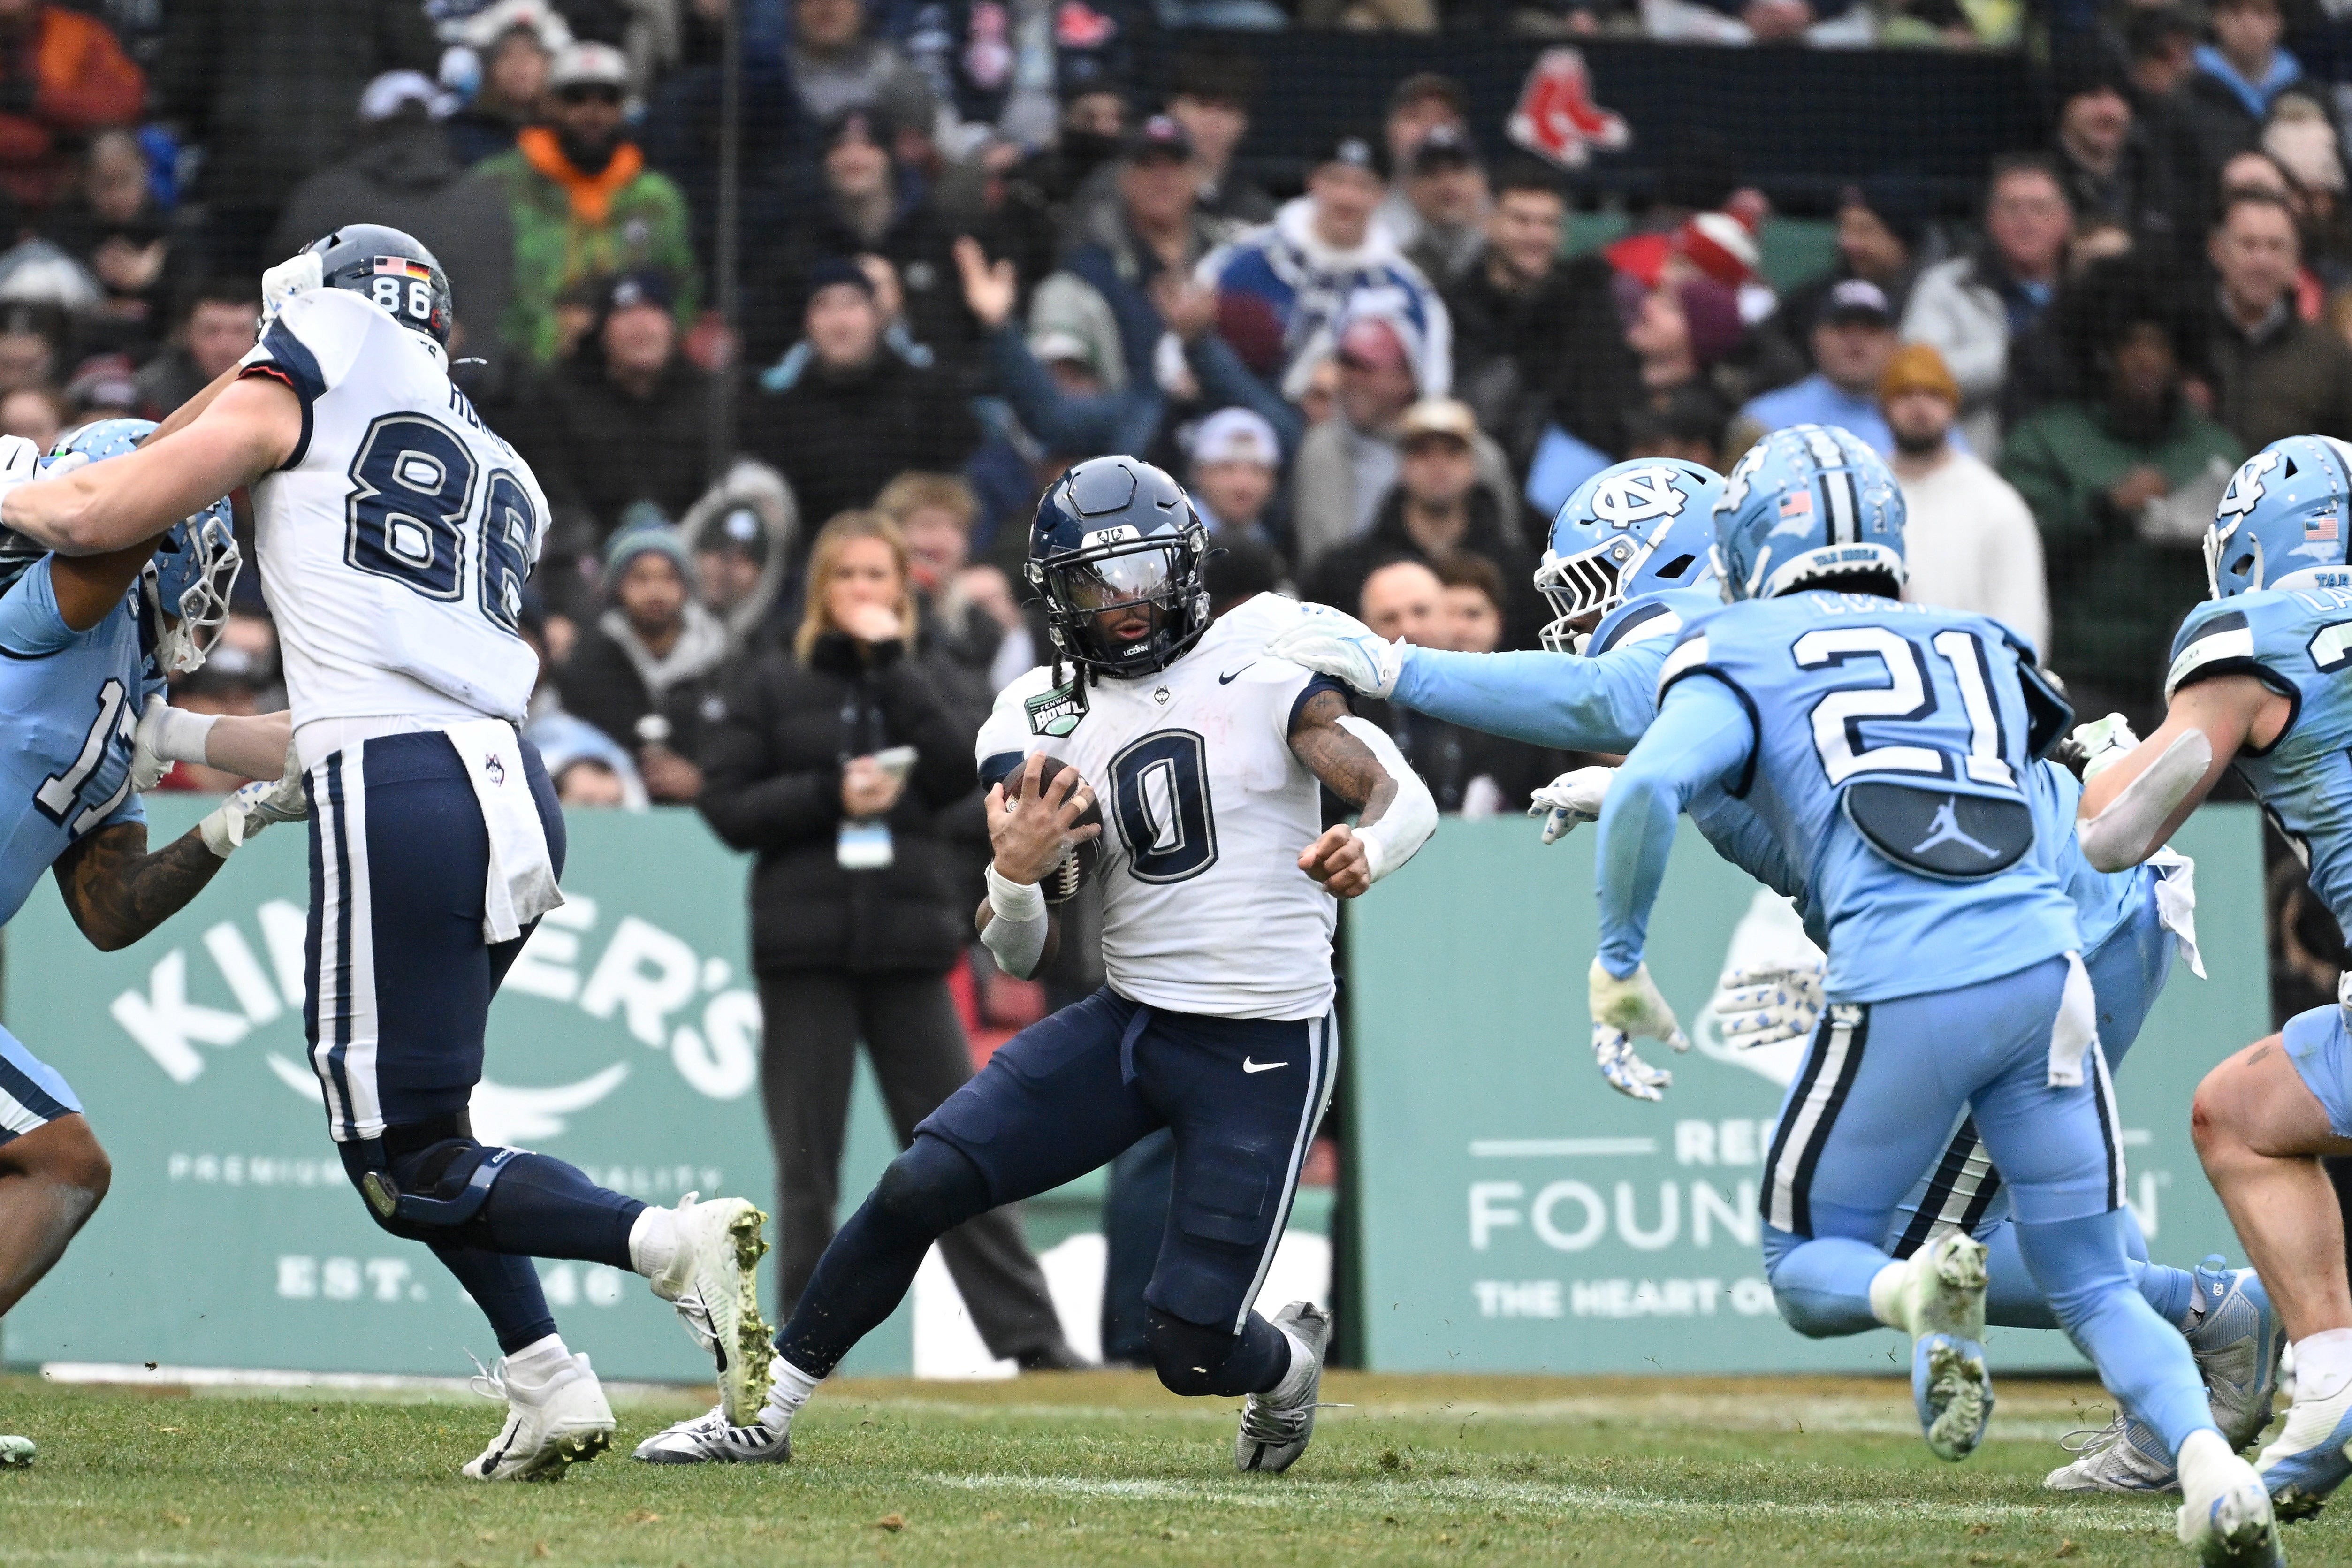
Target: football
x=1062, y=884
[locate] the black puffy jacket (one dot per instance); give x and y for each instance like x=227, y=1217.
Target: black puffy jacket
x=771, y=783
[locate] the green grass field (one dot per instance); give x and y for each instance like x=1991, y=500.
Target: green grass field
x=1097, y=1469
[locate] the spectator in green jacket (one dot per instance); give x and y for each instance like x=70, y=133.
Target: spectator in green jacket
x=2123, y=484
x=585, y=203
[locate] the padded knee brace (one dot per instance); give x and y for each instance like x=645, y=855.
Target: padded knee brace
x=425, y=1181
x=930, y=1188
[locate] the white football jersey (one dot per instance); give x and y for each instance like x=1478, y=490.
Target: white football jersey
x=395, y=541
x=1205, y=811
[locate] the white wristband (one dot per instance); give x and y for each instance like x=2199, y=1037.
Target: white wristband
x=182, y=736
x=1018, y=924
x=221, y=830
x=1410, y=817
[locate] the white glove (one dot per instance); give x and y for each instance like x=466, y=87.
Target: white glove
x=166, y=735
x=1573, y=797
x=254, y=807
x=20, y=462
x=2103, y=744
x=1336, y=644
x=296, y=274
x=1622, y=1010
x=1769, y=1003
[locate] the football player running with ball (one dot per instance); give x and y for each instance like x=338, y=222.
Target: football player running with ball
x=1207, y=757
x=1886, y=747
x=395, y=531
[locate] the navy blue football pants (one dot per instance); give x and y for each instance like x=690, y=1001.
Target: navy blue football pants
x=400, y=987
x=1242, y=1096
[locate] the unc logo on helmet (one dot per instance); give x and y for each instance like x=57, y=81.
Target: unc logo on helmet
x=2282, y=524
x=1117, y=552
x=1623, y=499
x=1806, y=503
x=1615, y=540
x=2246, y=484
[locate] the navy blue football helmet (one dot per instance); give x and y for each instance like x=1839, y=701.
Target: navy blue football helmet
x=394, y=270
x=1116, y=534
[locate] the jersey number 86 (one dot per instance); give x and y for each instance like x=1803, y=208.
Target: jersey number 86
x=386, y=292
x=412, y=490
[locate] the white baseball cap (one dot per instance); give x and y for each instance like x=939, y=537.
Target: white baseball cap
x=588, y=64
x=1237, y=436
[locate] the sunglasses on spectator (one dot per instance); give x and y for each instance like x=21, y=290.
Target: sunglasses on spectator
x=589, y=92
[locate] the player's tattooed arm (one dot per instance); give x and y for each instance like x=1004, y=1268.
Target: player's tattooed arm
x=117, y=892
x=1343, y=858
x=1344, y=763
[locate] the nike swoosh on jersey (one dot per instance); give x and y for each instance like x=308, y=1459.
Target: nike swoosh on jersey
x=1249, y=1066
x=1227, y=680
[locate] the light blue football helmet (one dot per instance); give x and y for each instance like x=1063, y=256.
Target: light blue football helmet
x=1807, y=502
x=1632, y=530
x=183, y=589
x=2282, y=524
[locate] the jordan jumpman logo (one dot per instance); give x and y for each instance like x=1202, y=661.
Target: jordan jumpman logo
x=1946, y=829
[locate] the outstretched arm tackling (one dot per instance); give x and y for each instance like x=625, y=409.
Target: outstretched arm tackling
x=1357, y=761
x=2132, y=803
x=117, y=892
x=1703, y=733
x=250, y=427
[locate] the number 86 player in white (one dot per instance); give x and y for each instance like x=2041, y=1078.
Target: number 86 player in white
x=395, y=531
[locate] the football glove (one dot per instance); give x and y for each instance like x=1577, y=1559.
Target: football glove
x=1332, y=643
x=254, y=807
x=2102, y=743
x=296, y=274
x=1621, y=1010
x=1573, y=797
x=1769, y=1003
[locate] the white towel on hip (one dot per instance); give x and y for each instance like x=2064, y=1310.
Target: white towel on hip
x=521, y=885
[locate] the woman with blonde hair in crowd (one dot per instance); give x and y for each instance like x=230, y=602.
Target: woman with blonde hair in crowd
x=838, y=762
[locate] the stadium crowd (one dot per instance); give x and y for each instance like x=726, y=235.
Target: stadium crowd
x=975, y=250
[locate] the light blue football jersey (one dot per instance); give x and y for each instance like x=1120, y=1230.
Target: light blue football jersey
x=69, y=704
x=2298, y=642
x=1599, y=701
x=1889, y=755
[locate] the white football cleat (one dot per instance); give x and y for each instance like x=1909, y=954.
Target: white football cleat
x=707, y=1440
x=1272, y=1435
x=549, y=1426
x=2312, y=1454
x=16, y=1450
x=2236, y=1340
x=1941, y=1305
x=2229, y=1523
x=713, y=1280
x=2124, y=1456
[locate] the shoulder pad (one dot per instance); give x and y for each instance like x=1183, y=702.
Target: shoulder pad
x=2214, y=638
x=1654, y=616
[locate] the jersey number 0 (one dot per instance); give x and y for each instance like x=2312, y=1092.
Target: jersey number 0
x=412, y=489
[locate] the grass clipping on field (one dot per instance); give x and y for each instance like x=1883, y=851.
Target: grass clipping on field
x=1091, y=1469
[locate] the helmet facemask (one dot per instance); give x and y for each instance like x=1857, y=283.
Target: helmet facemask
x=1084, y=588
x=185, y=590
